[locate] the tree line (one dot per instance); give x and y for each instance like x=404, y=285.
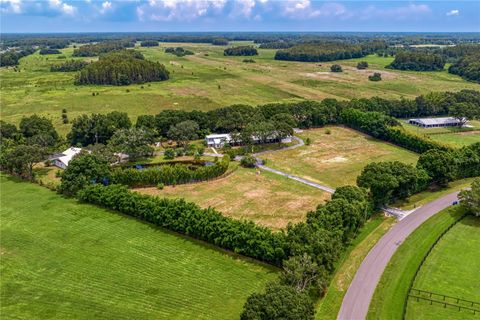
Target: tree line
x=417, y=61
x=149, y=43
x=467, y=67
x=328, y=51
x=92, y=50
x=178, y=51
x=12, y=57
x=240, y=51
x=167, y=174
x=45, y=51
x=69, y=66
x=122, y=68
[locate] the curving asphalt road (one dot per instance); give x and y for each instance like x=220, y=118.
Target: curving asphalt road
x=357, y=299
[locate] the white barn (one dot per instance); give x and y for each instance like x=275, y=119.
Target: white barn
x=437, y=122
x=64, y=158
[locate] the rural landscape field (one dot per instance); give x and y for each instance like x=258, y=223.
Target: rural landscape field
x=234, y=159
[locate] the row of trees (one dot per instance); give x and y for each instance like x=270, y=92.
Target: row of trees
x=122, y=68
x=69, y=66
x=468, y=67
x=12, y=57
x=240, y=51
x=45, y=51
x=149, y=43
x=328, y=51
x=169, y=174
x=92, y=50
x=417, y=61
x=178, y=51
x=392, y=181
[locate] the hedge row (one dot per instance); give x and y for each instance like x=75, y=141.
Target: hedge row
x=379, y=125
x=187, y=218
x=168, y=174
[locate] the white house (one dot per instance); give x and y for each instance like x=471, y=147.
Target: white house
x=219, y=140
x=437, y=122
x=64, y=158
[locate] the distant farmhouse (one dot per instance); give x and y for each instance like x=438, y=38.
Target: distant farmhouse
x=438, y=122
x=219, y=140
x=61, y=160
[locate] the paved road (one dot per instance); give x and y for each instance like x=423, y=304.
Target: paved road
x=357, y=300
x=289, y=176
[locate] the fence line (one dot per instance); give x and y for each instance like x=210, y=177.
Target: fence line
x=425, y=258
x=445, y=304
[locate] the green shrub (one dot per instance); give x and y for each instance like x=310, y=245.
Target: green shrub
x=248, y=161
x=160, y=186
x=169, y=154
x=336, y=68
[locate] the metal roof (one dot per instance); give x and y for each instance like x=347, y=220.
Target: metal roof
x=436, y=121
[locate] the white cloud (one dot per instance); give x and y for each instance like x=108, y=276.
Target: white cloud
x=176, y=10
x=303, y=9
x=62, y=7
x=107, y=5
x=243, y=8
x=11, y=6
x=396, y=13
x=453, y=13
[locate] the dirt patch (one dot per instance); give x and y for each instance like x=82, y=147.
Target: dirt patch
x=335, y=160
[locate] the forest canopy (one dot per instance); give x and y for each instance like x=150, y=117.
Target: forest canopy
x=467, y=67
x=122, y=68
x=240, y=51
x=328, y=51
x=417, y=61
x=92, y=50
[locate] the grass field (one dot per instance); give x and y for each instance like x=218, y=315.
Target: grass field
x=205, y=81
x=65, y=260
x=337, y=158
x=266, y=198
x=373, y=230
x=443, y=272
x=455, y=137
x=391, y=293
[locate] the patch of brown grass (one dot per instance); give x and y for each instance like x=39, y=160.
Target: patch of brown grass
x=266, y=199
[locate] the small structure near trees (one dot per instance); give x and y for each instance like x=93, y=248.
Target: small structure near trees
x=438, y=122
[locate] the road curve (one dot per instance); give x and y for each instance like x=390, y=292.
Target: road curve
x=357, y=299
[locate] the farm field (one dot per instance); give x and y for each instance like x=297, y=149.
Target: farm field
x=336, y=158
x=455, y=137
x=65, y=260
x=205, y=81
x=444, y=273
x=265, y=198
x=391, y=293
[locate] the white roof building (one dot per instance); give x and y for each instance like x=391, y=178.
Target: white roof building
x=437, y=122
x=63, y=159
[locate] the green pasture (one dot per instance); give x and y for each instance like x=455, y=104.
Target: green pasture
x=204, y=81
x=450, y=269
x=64, y=260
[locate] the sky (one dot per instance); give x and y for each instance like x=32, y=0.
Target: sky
x=57, y=16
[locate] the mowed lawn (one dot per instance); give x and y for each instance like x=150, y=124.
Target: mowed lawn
x=65, y=260
x=205, y=81
x=263, y=197
x=450, y=269
x=336, y=156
